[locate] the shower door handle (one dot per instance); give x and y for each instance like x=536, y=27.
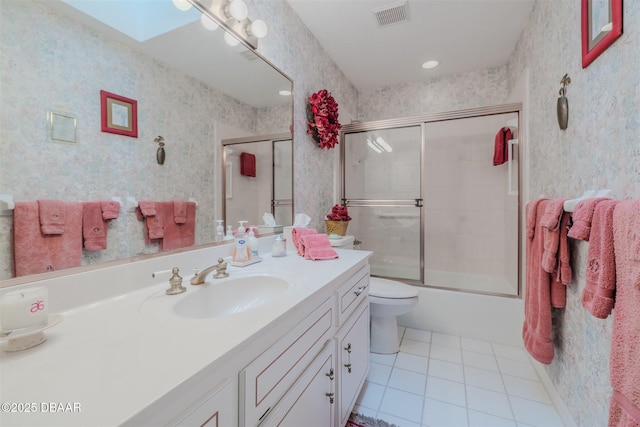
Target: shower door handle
x=511, y=144
x=418, y=203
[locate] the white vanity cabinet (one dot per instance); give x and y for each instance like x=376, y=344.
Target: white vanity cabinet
x=216, y=411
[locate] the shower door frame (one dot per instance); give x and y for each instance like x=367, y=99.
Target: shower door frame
x=421, y=121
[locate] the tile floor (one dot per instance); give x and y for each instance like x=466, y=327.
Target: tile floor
x=445, y=380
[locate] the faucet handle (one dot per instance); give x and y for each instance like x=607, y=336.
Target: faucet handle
x=221, y=269
x=176, y=283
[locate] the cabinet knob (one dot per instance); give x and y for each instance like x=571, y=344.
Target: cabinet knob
x=348, y=348
x=348, y=366
x=360, y=290
x=330, y=374
x=330, y=396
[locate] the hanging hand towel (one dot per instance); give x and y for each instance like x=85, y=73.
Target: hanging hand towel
x=177, y=235
x=35, y=252
x=598, y=293
x=179, y=212
x=624, y=364
x=153, y=222
x=94, y=227
x=500, y=148
x=247, y=164
x=52, y=216
x=582, y=216
x=110, y=209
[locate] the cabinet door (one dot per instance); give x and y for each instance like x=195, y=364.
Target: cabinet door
x=353, y=359
x=310, y=402
x=217, y=411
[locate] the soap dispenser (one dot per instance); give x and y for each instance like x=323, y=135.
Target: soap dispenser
x=229, y=235
x=253, y=243
x=219, y=237
x=241, y=251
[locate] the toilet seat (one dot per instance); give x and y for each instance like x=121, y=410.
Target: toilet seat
x=383, y=288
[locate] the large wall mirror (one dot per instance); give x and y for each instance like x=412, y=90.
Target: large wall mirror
x=190, y=87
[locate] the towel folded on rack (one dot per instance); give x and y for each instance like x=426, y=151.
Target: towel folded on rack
x=582, y=216
x=35, y=252
x=555, y=259
x=110, y=209
x=537, y=327
x=624, y=365
x=317, y=247
x=147, y=212
x=247, y=164
x=500, y=148
x=52, y=216
x=599, y=292
x=94, y=227
x=180, y=212
x=296, y=237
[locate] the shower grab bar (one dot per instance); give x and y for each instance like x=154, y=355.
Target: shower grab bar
x=377, y=202
x=511, y=144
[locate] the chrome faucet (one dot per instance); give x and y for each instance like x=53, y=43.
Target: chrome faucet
x=221, y=272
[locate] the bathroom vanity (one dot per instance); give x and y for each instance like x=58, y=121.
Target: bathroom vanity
x=281, y=342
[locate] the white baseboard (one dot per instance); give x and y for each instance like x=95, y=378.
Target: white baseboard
x=557, y=401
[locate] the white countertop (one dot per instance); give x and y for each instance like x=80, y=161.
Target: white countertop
x=119, y=355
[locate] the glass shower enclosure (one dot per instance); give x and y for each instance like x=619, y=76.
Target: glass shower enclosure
x=426, y=198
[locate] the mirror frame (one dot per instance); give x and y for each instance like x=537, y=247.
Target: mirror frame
x=16, y=281
x=594, y=44
x=271, y=138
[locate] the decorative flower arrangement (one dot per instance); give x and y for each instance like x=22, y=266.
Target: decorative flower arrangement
x=323, y=119
x=339, y=213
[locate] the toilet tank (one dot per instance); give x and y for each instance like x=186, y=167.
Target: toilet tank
x=342, y=242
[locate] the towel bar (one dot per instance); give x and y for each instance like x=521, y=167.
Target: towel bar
x=570, y=205
x=6, y=205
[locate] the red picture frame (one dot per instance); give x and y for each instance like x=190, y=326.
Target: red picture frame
x=601, y=26
x=119, y=114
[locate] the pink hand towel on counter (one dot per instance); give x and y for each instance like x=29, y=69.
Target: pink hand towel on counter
x=52, y=216
x=598, y=295
x=624, y=364
x=94, y=227
x=296, y=235
x=110, y=209
x=35, y=252
x=582, y=216
x=177, y=235
x=318, y=247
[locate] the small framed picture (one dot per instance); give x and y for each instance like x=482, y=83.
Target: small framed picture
x=601, y=26
x=119, y=114
x=62, y=127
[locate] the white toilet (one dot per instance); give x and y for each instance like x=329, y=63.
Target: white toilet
x=388, y=299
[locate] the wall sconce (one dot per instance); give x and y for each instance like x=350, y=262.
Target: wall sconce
x=160, y=154
x=233, y=14
x=563, y=103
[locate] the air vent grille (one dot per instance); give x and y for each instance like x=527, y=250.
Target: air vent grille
x=392, y=14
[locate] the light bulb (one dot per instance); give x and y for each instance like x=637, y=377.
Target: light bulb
x=231, y=40
x=285, y=92
x=430, y=64
x=258, y=28
x=238, y=10
x=208, y=23
x=182, y=5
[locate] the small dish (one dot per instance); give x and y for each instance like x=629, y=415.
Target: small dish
x=18, y=341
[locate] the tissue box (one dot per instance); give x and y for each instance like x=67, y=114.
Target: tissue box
x=265, y=229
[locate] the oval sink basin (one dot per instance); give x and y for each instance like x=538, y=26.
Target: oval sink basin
x=231, y=296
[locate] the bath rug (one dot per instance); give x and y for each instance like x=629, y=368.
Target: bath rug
x=358, y=420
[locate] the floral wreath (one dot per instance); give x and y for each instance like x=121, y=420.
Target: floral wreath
x=323, y=119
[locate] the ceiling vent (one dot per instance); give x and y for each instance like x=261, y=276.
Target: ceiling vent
x=392, y=14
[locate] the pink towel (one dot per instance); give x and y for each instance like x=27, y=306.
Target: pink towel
x=94, y=227
x=180, y=212
x=317, y=247
x=110, y=209
x=624, y=409
x=247, y=164
x=582, y=216
x=296, y=235
x=177, y=235
x=599, y=292
x=500, y=149
x=35, y=252
x=52, y=216
x=153, y=222
x=550, y=223
x=537, y=328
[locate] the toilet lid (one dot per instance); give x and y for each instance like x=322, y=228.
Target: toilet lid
x=384, y=288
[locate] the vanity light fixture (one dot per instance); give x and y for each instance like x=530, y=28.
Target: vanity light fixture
x=373, y=146
x=233, y=15
x=285, y=92
x=430, y=64
x=378, y=144
x=182, y=5
x=208, y=23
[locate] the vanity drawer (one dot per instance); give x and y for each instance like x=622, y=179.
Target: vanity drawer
x=265, y=380
x=351, y=293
